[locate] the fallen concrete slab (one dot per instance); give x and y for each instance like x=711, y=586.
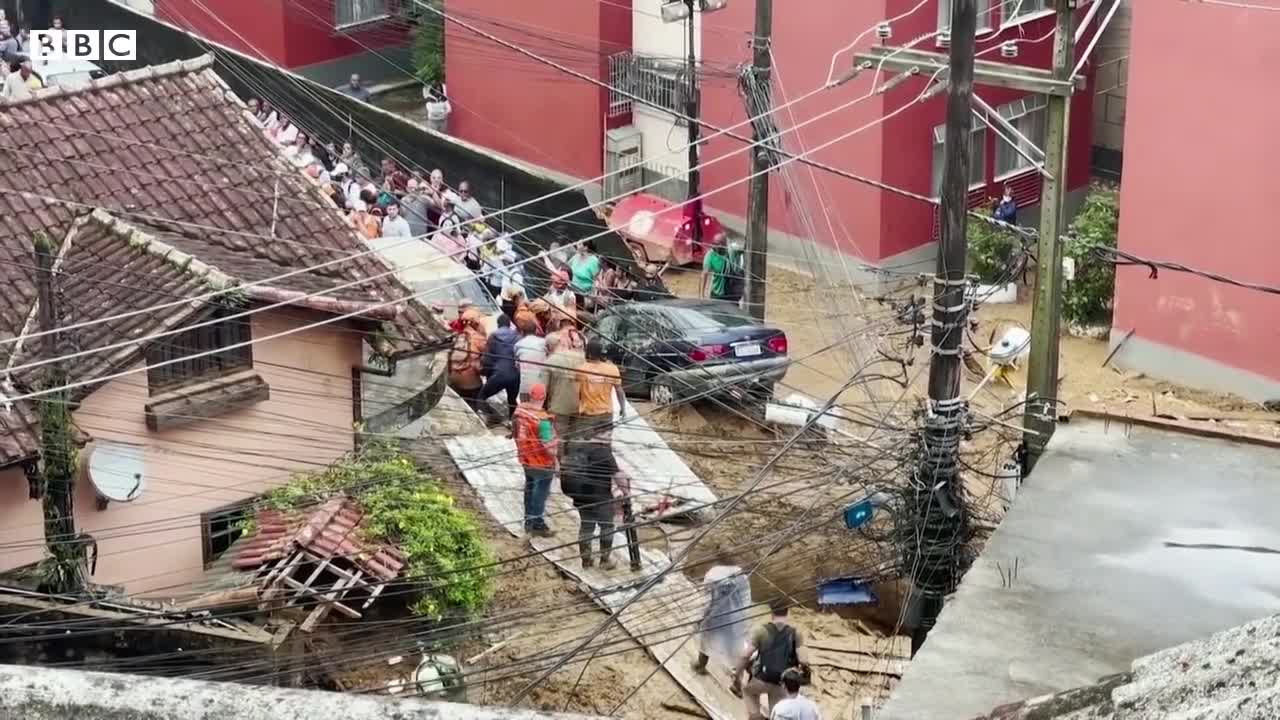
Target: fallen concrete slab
x=661, y=621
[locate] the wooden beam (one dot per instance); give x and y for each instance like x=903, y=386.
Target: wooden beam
x=1017, y=77
x=897, y=646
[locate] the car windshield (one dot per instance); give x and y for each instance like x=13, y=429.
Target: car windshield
x=70, y=79
x=449, y=292
x=706, y=318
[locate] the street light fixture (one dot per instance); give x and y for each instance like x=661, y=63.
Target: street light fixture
x=681, y=10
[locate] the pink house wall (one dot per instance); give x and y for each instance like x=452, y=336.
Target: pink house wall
x=1199, y=188
x=154, y=544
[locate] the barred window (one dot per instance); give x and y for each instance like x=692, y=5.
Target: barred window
x=354, y=12
x=659, y=82
x=181, y=368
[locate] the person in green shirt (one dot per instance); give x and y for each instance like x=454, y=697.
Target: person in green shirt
x=584, y=267
x=715, y=268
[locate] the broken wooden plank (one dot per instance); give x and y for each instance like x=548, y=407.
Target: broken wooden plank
x=898, y=646
x=326, y=605
x=856, y=663
x=682, y=709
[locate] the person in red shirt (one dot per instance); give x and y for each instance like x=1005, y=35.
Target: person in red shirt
x=535, y=436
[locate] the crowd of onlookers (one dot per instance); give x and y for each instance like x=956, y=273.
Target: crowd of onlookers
x=17, y=80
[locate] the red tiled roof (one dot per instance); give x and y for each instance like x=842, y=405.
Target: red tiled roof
x=334, y=530
x=155, y=147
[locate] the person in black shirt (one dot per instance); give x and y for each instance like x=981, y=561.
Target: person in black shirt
x=587, y=477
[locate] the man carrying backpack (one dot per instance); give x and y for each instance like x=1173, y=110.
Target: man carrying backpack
x=775, y=648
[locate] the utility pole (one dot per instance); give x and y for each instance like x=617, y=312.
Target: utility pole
x=1046, y=310
x=761, y=161
x=691, y=112
x=66, y=568
x=937, y=505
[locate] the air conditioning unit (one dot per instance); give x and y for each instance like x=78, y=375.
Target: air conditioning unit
x=944, y=39
x=623, y=161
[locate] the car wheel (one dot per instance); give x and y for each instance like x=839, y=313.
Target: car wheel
x=661, y=394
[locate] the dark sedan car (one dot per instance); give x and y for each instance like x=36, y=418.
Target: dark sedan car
x=683, y=348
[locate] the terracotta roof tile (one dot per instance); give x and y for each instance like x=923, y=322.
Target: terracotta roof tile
x=334, y=530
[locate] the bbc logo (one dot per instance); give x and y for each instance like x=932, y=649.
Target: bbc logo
x=91, y=45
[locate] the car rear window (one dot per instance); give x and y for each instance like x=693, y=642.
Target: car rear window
x=706, y=318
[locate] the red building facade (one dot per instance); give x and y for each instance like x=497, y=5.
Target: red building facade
x=1199, y=187
x=324, y=39
x=524, y=108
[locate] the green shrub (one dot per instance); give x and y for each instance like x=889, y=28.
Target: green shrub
x=447, y=556
x=1088, y=298
x=428, y=47
x=991, y=250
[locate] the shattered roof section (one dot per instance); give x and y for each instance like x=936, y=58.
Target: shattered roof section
x=1233, y=674
x=332, y=531
x=167, y=144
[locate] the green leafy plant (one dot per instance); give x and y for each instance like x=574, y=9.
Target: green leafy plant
x=448, y=559
x=991, y=250
x=1087, y=299
x=428, y=47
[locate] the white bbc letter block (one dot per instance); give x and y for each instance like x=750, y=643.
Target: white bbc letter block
x=84, y=45
x=119, y=44
x=46, y=45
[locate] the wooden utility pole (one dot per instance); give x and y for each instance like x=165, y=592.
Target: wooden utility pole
x=939, y=516
x=1046, y=310
x=761, y=161
x=691, y=110
x=65, y=570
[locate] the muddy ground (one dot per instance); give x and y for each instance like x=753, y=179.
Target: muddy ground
x=791, y=522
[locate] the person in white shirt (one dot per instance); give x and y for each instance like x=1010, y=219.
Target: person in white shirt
x=300, y=151
x=467, y=207
x=438, y=108
x=531, y=353
x=794, y=706
x=394, y=225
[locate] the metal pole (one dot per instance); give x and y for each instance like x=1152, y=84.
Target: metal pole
x=691, y=111
x=934, y=547
x=1042, y=366
x=761, y=159
x=66, y=570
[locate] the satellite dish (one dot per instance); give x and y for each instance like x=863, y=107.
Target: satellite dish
x=117, y=471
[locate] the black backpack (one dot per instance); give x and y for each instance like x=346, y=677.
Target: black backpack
x=735, y=276
x=776, y=653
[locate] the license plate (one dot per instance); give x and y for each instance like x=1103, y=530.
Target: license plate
x=748, y=350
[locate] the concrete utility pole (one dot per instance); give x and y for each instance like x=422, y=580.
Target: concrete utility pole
x=1046, y=310
x=761, y=161
x=67, y=568
x=939, y=515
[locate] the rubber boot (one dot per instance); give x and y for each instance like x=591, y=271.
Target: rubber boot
x=584, y=552
x=606, y=560
x=700, y=665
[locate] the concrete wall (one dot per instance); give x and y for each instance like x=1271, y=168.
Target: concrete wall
x=1224, y=338
x=153, y=544
x=524, y=108
x=37, y=693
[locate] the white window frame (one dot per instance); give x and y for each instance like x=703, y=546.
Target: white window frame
x=1014, y=112
x=1026, y=11
x=944, y=15
x=978, y=153
x=359, y=12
